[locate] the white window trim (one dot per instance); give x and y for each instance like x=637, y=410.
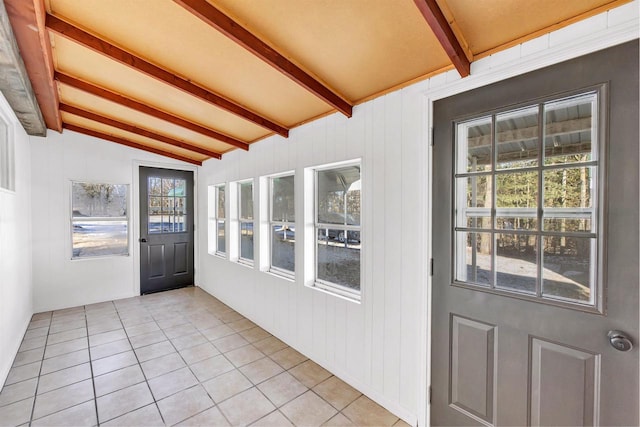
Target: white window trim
x=8, y=165
x=288, y=274
x=213, y=192
x=319, y=284
x=126, y=218
x=245, y=261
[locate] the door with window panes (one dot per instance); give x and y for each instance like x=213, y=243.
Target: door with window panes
x=535, y=286
x=166, y=229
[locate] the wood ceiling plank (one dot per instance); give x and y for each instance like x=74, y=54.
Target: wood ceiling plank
x=227, y=26
x=26, y=83
x=143, y=108
x=128, y=143
x=103, y=47
x=443, y=32
x=139, y=131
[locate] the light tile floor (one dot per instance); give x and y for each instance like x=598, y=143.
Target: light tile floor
x=179, y=357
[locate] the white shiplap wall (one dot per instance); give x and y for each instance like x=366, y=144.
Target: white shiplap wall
x=371, y=344
x=381, y=345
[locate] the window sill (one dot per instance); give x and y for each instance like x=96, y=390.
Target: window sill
x=337, y=292
x=245, y=263
x=288, y=277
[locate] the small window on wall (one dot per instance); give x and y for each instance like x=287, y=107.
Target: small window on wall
x=167, y=205
x=246, y=221
x=337, y=229
x=7, y=171
x=99, y=219
x=217, y=219
x=282, y=225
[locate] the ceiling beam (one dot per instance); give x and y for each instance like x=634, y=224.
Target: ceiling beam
x=138, y=131
x=105, y=48
x=128, y=143
x=143, y=108
x=233, y=30
x=15, y=83
x=443, y=32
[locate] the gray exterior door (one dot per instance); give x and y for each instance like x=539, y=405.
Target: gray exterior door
x=166, y=229
x=536, y=247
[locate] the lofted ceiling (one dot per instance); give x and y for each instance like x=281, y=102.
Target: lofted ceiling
x=194, y=79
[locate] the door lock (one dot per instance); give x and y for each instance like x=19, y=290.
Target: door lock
x=619, y=340
x=142, y=240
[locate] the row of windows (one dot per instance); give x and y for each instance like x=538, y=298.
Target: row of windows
x=336, y=224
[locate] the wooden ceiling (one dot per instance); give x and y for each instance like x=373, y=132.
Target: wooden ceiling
x=194, y=79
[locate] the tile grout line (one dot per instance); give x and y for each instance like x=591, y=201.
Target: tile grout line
x=93, y=382
x=35, y=394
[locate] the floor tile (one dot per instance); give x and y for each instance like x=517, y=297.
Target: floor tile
x=31, y=343
x=42, y=316
x=83, y=414
x=24, y=372
x=113, y=363
x=16, y=413
x=274, y=419
x=154, y=350
x=65, y=361
x=110, y=349
x=135, y=320
x=210, y=417
x=161, y=365
x=243, y=355
x=117, y=380
x=171, y=383
x=365, y=412
x=107, y=337
x=57, y=327
x=65, y=347
x=147, y=339
x=401, y=423
x=255, y=334
x=34, y=324
x=226, y=385
x=122, y=401
x=180, y=330
x=308, y=410
x=18, y=391
x=29, y=356
x=261, y=370
x=64, y=377
x=310, y=373
x=62, y=398
x=270, y=345
x=217, y=332
x=282, y=388
x=146, y=416
x=200, y=352
x=339, y=420
x=230, y=316
x=246, y=407
x=338, y=393
x=104, y=326
x=184, y=405
x=66, y=335
x=38, y=332
x=288, y=358
x=143, y=328
x=230, y=342
x=241, y=325
x=210, y=368
x=168, y=322
x=188, y=341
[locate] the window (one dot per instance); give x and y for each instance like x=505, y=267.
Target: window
x=99, y=219
x=282, y=224
x=7, y=171
x=245, y=219
x=217, y=219
x=167, y=205
x=526, y=187
x=337, y=229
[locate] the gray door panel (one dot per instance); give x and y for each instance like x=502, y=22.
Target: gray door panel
x=166, y=229
x=500, y=360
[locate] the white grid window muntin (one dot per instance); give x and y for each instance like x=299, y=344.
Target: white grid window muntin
x=282, y=224
x=526, y=200
x=246, y=222
x=337, y=229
